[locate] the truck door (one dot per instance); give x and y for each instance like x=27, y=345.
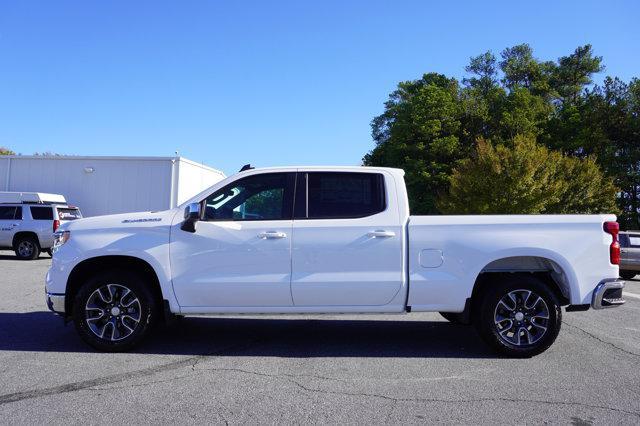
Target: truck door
x=240, y=254
x=347, y=240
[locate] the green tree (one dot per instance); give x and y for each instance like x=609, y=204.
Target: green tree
x=574, y=72
x=606, y=123
x=522, y=70
x=6, y=151
x=419, y=132
x=523, y=113
x=484, y=73
x=526, y=178
x=432, y=124
x=481, y=100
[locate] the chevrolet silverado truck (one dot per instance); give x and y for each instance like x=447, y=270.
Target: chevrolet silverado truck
x=330, y=240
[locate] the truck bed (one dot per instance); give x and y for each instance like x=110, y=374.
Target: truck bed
x=447, y=253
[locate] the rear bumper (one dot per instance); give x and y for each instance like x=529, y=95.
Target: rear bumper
x=608, y=294
x=629, y=266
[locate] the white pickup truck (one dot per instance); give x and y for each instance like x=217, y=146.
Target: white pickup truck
x=330, y=240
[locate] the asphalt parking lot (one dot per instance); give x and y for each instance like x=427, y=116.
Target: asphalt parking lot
x=314, y=369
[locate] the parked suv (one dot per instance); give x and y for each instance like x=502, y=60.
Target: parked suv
x=630, y=254
x=29, y=220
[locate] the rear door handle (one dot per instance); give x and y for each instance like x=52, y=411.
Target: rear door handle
x=272, y=234
x=381, y=234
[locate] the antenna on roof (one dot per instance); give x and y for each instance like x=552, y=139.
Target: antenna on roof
x=247, y=167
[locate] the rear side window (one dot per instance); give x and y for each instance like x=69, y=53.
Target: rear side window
x=69, y=214
x=9, y=213
x=41, y=213
x=338, y=195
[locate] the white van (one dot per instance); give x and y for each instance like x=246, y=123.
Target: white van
x=28, y=221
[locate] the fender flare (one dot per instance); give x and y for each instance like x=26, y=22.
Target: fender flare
x=565, y=266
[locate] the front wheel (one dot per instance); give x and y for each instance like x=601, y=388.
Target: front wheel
x=519, y=316
x=114, y=311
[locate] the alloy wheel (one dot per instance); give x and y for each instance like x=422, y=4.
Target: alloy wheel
x=521, y=317
x=26, y=248
x=113, y=312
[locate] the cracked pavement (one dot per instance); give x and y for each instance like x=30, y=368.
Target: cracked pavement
x=310, y=369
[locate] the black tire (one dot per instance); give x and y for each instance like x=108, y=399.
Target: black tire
x=26, y=247
x=454, y=317
x=628, y=275
x=519, y=332
x=117, y=336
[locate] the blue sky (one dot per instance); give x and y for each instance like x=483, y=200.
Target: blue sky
x=271, y=83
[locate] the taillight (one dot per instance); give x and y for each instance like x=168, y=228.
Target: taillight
x=613, y=228
x=56, y=223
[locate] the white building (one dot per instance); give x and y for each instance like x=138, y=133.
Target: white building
x=106, y=185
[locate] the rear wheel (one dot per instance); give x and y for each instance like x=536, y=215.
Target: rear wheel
x=26, y=247
x=627, y=275
x=114, y=311
x=519, y=316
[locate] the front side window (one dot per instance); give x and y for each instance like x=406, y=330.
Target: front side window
x=336, y=195
x=41, y=213
x=7, y=213
x=259, y=197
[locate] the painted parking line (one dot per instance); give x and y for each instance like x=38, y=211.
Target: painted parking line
x=632, y=295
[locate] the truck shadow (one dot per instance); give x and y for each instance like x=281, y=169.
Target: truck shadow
x=288, y=338
x=42, y=257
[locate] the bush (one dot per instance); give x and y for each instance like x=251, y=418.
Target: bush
x=523, y=177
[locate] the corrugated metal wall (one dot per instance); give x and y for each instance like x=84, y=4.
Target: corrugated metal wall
x=4, y=166
x=116, y=185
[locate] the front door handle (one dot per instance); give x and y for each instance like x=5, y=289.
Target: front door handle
x=272, y=234
x=381, y=234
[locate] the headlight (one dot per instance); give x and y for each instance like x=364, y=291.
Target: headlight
x=59, y=238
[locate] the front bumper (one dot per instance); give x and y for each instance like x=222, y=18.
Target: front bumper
x=55, y=303
x=55, y=285
x=608, y=294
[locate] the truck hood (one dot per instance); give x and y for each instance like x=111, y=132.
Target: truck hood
x=124, y=220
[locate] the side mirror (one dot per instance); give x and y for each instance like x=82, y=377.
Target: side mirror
x=191, y=216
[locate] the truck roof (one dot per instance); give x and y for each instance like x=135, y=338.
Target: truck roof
x=325, y=168
x=31, y=197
